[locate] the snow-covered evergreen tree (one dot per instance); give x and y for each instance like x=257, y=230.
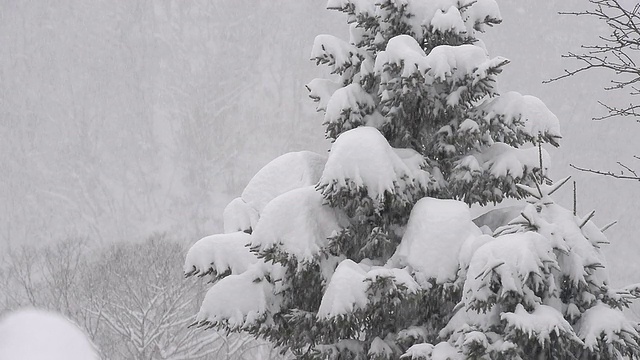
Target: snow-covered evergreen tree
x=369, y=252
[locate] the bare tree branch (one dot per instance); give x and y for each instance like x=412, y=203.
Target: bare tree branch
x=617, y=52
x=606, y=173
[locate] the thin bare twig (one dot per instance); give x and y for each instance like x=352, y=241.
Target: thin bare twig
x=606, y=173
x=618, y=51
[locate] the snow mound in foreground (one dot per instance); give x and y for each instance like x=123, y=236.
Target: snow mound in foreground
x=32, y=334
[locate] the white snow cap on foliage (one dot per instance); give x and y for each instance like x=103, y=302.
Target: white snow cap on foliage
x=31, y=334
x=539, y=324
x=380, y=348
x=435, y=233
x=562, y=230
x=480, y=10
x=441, y=351
x=322, y=90
x=299, y=221
x=449, y=20
x=501, y=160
x=286, y=172
x=239, y=300
x=337, y=52
x=239, y=216
x=443, y=61
x=397, y=276
x=220, y=253
x=465, y=317
x=347, y=289
x=602, y=320
x=515, y=258
x=534, y=114
x=363, y=156
x=424, y=12
x=403, y=50
x=352, y=98
x=457, y=61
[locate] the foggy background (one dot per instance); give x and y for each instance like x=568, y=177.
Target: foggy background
x=121, y=119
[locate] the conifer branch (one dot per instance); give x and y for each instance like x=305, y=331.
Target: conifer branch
x=586, y=219
x=606, y=227
x=558, y=185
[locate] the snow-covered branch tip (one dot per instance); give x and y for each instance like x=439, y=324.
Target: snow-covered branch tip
x=609, y=225
x=586, y=219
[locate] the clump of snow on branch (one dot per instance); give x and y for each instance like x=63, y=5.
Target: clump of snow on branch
x=380, y=348
x=286, y=172
x=335, y=53
x=602, y=323
x=448, y=20
x=539, y=324
x=220, y=254
x=321, y=90
x=239, y=216
x=350, y=102
x=517, y=260
x=347, y=289
x=298, y=222
x=238, y=301
x=362, y=158
x=442, y=62
x=474, y=15
x=501, y=160
x=566, y=232
x=529, y=110
x=441, y=351
x=436, y=231
x=479, y=11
